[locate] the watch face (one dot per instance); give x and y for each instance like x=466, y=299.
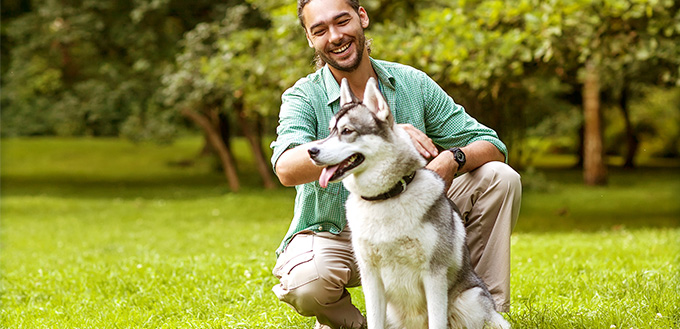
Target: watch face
x=460, y=156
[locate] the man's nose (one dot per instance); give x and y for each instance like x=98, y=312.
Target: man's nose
x=336, y=35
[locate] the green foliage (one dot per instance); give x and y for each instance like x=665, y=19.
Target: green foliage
x=655, y=113
x=627, y=40
x=111, y=67
x=85, y=67
x=235, y=61
x=509, y=62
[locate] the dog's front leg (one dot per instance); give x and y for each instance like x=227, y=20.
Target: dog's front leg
x=374, y=292
x=436, y=296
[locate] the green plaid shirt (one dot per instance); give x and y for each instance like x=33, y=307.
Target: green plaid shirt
x=413, y=97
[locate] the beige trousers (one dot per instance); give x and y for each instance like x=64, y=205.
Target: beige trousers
x=315, y=269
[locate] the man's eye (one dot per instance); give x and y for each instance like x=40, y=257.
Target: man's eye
x=319, y=32
x=343, y=22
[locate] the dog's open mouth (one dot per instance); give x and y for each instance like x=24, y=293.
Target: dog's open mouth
x=334, y=172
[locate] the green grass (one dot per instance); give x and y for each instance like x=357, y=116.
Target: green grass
x=100, y=233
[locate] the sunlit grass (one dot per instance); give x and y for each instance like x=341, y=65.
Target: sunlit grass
x=607, y=279
x=107, y=234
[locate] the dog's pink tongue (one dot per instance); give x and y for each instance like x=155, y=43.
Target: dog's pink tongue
x=326, y=175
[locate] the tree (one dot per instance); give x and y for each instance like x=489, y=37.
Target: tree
x=651, y=56
x=238, y=67
x=610, y=43
x=486, y=54
x=85, y=67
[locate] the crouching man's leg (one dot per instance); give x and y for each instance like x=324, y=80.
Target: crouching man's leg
x=489, y=198
x=313, y=271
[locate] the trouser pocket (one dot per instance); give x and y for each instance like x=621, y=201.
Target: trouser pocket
x=295, y=266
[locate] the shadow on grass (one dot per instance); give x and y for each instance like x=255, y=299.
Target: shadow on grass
x=172, y=187
x=643, y=198
x=117, y=168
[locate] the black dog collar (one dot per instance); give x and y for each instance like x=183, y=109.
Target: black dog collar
x=394, y=191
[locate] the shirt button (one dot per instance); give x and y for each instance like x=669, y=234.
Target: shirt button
x=320, y=227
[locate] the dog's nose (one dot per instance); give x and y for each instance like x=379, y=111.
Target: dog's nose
x=313, y=151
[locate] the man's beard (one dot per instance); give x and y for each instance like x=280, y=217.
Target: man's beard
x=360, y=43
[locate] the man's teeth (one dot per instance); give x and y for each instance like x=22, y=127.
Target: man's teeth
x=337, y=51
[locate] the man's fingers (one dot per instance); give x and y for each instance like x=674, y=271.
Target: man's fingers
x=421, y=149
x=423, y=144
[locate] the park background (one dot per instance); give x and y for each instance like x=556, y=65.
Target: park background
x=136, y=189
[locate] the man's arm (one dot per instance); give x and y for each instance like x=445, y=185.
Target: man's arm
x=294, y=166
x=449, y=125
x=296, y=133
x=476, y=153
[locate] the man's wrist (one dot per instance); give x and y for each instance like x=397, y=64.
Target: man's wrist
x=459, y=158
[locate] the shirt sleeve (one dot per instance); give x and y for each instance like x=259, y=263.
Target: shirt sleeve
x=297, y=123
x=449, y=125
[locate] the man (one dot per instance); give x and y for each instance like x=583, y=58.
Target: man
x=315, y=262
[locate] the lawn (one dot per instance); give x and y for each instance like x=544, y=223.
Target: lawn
x=102, y=233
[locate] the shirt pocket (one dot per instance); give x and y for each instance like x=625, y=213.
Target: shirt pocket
x=296, y=266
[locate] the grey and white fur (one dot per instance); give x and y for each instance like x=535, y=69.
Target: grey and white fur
x=410, y=248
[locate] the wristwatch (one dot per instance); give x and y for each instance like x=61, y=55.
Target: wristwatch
x=459, y=156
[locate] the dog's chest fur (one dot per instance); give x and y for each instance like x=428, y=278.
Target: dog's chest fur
x=394, y=236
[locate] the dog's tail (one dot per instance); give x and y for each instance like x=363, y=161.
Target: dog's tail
x=497, y=322
x=474, y=308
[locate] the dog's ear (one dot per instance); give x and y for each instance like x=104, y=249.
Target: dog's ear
x=346, y=95
x=375, y=101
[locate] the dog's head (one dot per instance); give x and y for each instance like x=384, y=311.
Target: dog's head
x=354, y=130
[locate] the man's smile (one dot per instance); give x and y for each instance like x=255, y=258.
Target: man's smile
x=341, y=49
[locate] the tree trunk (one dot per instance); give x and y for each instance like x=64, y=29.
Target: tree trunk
x=594, y=170
x=580, y=149
x=69, y=68
x=221, y=124
x=214, y=137
x=256, y=146
x=632, y=140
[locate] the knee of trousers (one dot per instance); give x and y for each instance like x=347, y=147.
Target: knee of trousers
x=312, y=297
x=502, y=176
x=506, y=185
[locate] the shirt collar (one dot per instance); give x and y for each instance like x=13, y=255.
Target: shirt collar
x=333, y=88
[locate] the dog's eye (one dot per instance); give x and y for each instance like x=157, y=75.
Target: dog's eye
x=346, y=131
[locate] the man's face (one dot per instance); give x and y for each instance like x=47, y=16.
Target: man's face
x=336, y=32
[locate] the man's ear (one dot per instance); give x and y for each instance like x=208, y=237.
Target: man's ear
x=363, y=17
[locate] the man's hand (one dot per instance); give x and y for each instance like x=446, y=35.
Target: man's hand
x=445, y=166
x=423, y=144
x=477, y=154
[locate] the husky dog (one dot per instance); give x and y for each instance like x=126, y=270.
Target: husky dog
x=408, y=237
